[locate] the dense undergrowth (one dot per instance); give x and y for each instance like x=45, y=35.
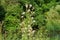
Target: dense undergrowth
x=29, y=19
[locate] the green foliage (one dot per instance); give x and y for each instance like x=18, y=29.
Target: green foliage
x=2, y=13
x=40, y=20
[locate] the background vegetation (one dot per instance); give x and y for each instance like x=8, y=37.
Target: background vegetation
x=29, y=19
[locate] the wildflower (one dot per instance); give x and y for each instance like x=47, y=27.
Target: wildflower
x=33, y=9
x=22, y=16
x=20, y=24
x=34, y=21
x=26, y=5
x=33, y=31
x=25, y=27
x=33, y=12
x=30, y=6
x=28, y=25
x=22, y=35
x=23, y=13
x=29, y=34
x=32, y=17
x=28, y=10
